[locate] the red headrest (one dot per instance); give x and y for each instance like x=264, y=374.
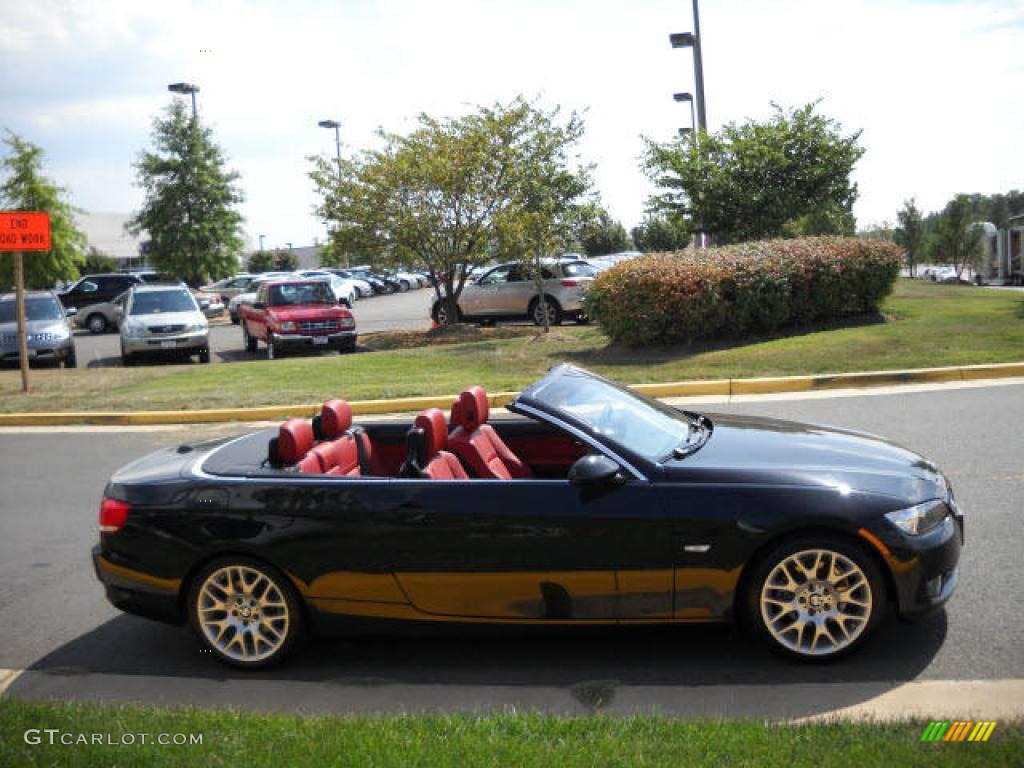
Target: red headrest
x=294, y=440
x=335, y=418
x=471, y=409
x=435, y=431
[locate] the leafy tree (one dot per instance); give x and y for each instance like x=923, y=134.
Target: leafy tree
x=261, y=261
x=189, y=211
x=789, y=175
x=285, y=261
x=600, y=235
x=447, y=194
x=958, y=234
x=26, y=189
x=97, y=262
x=663, y=232
x=910, y=233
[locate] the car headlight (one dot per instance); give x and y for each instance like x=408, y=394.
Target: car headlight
x=134, y=330
x=347, y=322
x=196, y=328
x=288, y=326
x=919, y=519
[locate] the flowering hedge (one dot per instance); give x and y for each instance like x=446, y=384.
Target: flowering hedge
x=742, y=289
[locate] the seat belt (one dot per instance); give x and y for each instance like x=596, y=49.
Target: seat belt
x=364, y=462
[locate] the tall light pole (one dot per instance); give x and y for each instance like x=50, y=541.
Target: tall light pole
x=337, y=137
x=261, y=242
x=692, y=40
x=186, y=88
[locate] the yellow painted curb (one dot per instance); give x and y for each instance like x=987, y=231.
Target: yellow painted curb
x=723, y=387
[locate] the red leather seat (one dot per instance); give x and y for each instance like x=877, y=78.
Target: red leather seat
x=294, y=443
x=335, y=423
x=439, y=463
x=477, y=444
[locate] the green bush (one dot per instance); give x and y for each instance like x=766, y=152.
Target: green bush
x=744, y=289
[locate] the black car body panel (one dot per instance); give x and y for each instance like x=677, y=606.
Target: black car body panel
x=669, y=541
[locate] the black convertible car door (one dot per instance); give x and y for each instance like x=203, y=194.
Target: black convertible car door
x=530, y=550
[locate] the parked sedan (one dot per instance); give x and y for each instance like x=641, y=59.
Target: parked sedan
x=102, y=317
x=163, y=319
x=595, y=505
x=47, y=329
x=507, y=292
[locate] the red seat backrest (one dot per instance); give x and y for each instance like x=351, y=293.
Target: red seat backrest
x=294, y=443
x=337, y=454
x=440, y=464
x=477, y=444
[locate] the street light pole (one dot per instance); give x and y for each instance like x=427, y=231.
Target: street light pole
x=698, y=69
x=686, y=97
x=261, y=242
x=337, y=138
x=186, y=88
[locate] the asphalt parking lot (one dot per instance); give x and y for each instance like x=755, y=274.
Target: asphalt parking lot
x=397, y=312
x=58, y=626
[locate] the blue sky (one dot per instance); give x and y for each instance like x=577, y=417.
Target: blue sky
x=935, y=86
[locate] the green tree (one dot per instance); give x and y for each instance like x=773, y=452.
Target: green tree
x=189, y=212
x=285, y=261
x=789, y=175
x=910, y=234
x=445, y=194
x=25, y=188
x=97, y=262
x=958, y=240
x=261, y=261
x=662, y=232
x=600, y=235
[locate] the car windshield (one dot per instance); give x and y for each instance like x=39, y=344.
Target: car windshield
x=643, y=425
x=295, y=294
x=35, y=309
x=155, y=302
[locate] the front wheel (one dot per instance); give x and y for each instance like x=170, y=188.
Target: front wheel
x=271, y=346
x=244, y=612
x=815, y=599
x=96, y=323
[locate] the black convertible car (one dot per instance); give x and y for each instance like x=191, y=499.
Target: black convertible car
x=594, y=504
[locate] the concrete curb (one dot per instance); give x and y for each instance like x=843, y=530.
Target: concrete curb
x=726, y=387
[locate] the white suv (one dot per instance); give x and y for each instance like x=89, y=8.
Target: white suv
x=508, y=292
x=163, y=319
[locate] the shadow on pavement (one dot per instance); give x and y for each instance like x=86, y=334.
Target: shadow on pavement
x=450, y=657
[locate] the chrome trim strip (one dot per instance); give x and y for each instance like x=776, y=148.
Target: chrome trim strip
x=539, y=414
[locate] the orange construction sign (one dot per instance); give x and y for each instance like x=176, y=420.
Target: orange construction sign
x=24, y=231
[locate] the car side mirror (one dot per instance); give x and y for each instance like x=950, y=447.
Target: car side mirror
x=595, y=469
x=71, y=311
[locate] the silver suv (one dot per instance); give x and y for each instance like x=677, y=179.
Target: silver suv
x=508, y=292
x=46, y=325
x=163, y=318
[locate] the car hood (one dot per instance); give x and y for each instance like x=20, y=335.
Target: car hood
x=167, y=318
x=34, y=326
x=307, y=312
x=752, y=450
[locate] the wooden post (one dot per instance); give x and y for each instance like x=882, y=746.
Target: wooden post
x=19, y=301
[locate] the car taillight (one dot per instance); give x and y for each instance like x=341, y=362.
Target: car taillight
x=569, y=283
x=113, y=515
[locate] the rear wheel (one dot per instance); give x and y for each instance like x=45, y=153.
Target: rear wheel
x=815, y=598
x=96, y=323
x=244, y=612
x=549, y=307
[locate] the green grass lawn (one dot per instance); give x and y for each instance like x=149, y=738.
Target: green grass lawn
x=232, y=739
x=922, y=325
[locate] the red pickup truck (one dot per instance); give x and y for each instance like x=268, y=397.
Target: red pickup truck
x=292, y=314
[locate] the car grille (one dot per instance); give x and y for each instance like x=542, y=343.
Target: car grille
x=12, y=338
x=165, y=328
x=318, y=326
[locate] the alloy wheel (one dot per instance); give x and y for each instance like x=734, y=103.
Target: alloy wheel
x=243, y=614
x=816, y=602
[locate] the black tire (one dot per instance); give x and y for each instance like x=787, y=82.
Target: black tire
x=272, y=351
x=440, y=314
x=555, y=312
x=126, y=360
x=348, y=346
x=235, y=319
x=204, y=356
x=71, y=361
x=403, y=286
x=288, y=620
x=96, y=323
x=861, y=622
x=251, y=343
